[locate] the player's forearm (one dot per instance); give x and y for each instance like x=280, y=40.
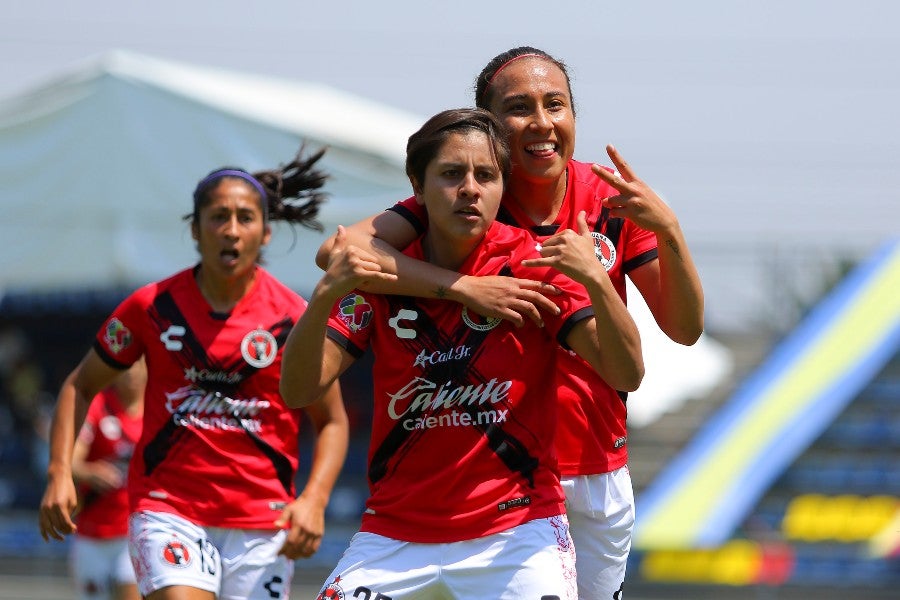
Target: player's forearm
x=329, y=454
x=304, y=374
x=680, y=306
x=415, y=277
x=67, y=420
x=621, y=363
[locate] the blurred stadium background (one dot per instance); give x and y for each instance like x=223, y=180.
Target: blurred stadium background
x=776, y=478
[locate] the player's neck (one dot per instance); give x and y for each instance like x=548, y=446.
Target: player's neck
x=541, y=201
x=223, y=293
x=447, y=252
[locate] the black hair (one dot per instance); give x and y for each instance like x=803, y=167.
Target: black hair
x=292, y=192
x=483, y=91
x=425, y=143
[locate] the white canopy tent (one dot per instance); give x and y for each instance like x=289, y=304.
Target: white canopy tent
x=98, y=166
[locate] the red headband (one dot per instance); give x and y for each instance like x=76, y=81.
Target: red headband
x=504, y=65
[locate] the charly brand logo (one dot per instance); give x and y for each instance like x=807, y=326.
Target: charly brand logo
x=404, y=314
x=169, y=338
x=259, y=348
x=117, y=337
x=604, y=250
x=477, y=322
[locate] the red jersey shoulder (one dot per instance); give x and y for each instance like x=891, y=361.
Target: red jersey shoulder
x=412, y=211
x=117, y=338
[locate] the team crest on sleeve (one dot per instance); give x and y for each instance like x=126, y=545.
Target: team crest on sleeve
x=355, y=312
x=259, y=348
x=604, y=249
x=477, y=322
x=117, y=337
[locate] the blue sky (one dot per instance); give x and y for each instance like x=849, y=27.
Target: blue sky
x=771, y=126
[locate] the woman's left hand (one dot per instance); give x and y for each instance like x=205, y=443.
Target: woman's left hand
x=636, y=201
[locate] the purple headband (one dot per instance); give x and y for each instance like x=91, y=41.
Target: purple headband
x=264, y=196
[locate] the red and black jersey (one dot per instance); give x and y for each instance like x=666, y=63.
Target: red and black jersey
x=219, y=446
x=464, y=407
x=591, y=436
x=110, y=433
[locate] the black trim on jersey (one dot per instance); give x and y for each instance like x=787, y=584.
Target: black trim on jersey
x=413, y=220
x=507, y=218
x=284, y=471
x=400, y=441
x=157, y=449
x=612, y=229
x=100, y=349
x=544, y=230
x=576, y=317
x=639, y=260
x=504, y=216
x=344, y=342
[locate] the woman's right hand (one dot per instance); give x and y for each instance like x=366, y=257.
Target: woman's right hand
x=349, y=267
x=57, y=508
x=508, y=298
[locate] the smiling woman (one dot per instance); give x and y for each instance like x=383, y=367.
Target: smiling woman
x=224, y=523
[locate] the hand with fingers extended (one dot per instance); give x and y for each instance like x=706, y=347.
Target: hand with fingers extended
x=350, y=267
x=636, y=201
x=571, y=253
x=57, y=508
x=305, y=521
x=509, y=298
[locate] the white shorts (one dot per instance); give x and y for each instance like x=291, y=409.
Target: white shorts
x=534, y=561
x=99, y=566
x=601, y=515
x=234, y=564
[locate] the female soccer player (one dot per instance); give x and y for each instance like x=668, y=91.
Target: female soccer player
x=211, y=482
